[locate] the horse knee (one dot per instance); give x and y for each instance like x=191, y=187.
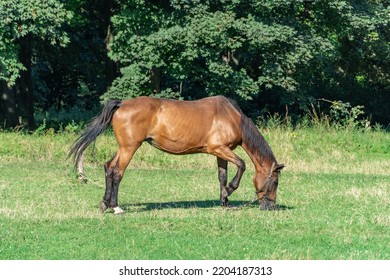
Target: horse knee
x=231, y=188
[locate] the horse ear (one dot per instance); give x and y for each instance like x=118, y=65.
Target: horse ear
x=279, y=167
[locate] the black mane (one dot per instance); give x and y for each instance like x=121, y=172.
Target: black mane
x=252, y=137
x=255, y=142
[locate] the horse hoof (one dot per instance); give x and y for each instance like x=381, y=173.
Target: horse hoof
x=225, y=203
x=82, y=178
x=118, y=210
x=232, y=208
x=228, y=205
x=102, y=206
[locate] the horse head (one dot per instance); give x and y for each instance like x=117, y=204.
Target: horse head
x=266, y=185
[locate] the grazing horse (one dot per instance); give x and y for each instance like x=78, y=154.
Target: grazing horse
x=213, y=125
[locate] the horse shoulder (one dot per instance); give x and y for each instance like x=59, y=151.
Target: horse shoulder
x=225, y=129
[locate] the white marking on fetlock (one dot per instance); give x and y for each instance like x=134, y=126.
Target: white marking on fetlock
x=118, y=210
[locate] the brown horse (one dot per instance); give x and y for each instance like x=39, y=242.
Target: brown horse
x=213, y=125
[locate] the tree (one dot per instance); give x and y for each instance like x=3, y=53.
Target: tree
x=212, y=48
x=267, y=55
x=24, y=24
x=274, y=53
x=79, y=73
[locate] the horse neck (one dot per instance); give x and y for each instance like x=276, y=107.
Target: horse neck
x=256, y=146
x=262, y=164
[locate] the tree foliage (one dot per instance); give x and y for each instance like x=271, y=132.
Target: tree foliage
x=265, y=54
x=37, y=20
x=275, y=52
x=23, y=25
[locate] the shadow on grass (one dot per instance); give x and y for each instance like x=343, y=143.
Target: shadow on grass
x=236, y=205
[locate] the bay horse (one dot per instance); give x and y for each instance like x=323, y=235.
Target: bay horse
x=213, y=125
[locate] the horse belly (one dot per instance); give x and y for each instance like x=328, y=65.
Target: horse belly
x=179, y=136
x=175, y=144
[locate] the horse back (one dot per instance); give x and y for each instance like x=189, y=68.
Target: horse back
x=178, y=126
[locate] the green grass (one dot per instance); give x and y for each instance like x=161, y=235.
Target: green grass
x=334, y=197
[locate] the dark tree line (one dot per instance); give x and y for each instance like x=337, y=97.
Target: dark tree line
x=268, y=55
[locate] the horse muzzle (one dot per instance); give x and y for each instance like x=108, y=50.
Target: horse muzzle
x=266, y=204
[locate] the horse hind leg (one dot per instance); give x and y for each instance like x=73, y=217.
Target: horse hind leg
x=114, y=174
x=109, y=176
x=117, y=178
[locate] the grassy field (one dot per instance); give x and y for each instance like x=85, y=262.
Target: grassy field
x=334, y=200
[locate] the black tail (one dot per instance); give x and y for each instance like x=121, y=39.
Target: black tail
x=94, y=129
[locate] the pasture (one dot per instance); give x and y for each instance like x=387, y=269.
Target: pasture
x=333, y=200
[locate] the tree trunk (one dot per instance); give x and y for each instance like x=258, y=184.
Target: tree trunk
x=9, y=116
x=110, y=66
x=24, y=84
x=155, y=79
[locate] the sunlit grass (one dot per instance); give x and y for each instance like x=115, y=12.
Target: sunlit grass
x=334, y=199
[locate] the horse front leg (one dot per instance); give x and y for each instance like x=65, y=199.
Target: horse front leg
x=224, y=155
x=233, y=185
x=222, y=177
